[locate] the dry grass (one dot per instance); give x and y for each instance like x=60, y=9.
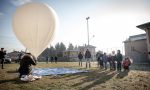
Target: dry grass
x=96, y=79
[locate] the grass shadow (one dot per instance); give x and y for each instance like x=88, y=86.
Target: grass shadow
x=94, y=78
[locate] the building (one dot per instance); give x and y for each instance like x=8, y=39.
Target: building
x=136, y=48
x=72, y=55
x=146, y=28
x=14, y=55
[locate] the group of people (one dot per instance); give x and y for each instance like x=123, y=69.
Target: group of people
x=115, y=61
x=52, y=59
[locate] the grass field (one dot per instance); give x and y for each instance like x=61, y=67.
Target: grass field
x=95, y=79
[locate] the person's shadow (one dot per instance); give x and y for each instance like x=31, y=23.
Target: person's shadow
x=122, y=74
x=14, y=80
x=96, y=77
x=15, y=71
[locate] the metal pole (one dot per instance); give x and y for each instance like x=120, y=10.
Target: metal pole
x=88, y=29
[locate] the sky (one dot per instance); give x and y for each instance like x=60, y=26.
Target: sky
x=111, y=22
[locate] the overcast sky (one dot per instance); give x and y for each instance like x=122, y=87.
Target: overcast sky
x=111, y=21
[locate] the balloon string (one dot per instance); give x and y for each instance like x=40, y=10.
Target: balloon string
x=37, y=32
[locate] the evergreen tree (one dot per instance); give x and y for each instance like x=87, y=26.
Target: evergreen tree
x=45, y=53
x=70, y=47
x=57, y=47
x=76, y=47
x=52, y=51
x=62, y=47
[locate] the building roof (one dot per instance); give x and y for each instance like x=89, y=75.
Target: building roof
x=136, y=37
x=140, y=36
x=144, y=26
x=90, y=46
x=71, y=51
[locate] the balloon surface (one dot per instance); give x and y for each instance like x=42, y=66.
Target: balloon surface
x=34, y=25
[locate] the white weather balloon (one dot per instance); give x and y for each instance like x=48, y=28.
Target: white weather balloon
x=34, y=25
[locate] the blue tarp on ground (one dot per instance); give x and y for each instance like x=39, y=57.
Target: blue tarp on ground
x=55, y=71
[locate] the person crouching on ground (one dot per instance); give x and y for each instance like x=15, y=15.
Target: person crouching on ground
x=126, y=63
x=25, y=64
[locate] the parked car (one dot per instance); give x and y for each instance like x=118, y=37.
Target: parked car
x=7, y=59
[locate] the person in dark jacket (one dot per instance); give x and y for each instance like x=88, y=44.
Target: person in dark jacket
x=110, y=61
x=98, y=58
x=19, y=57
x=26, y=64
x=101, y=60
x=55, y=59
x=119, y=60
x=80, y=56
x=113, y=60
x=47, y=59
x=52, y=59
x=2, y=57
x=105, y=60
x=88, y=57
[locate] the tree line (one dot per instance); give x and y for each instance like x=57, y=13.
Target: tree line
x=57, y=50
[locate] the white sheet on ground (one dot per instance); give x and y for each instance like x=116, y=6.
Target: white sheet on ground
x=55, y=71
x=29, y=78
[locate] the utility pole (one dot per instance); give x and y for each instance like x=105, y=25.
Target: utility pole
x=87, y=18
